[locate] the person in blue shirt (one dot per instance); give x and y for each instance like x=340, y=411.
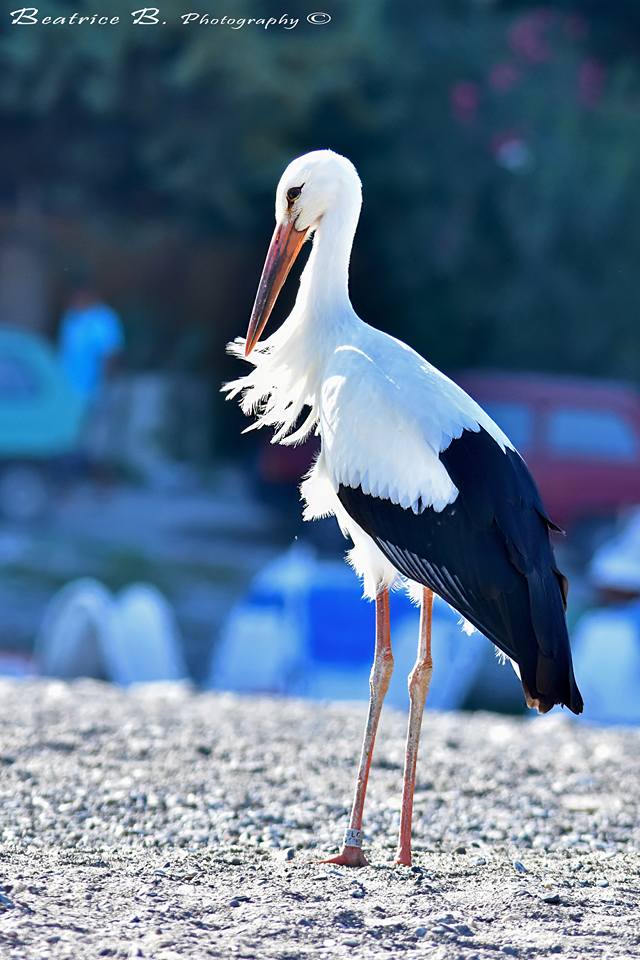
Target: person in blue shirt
x=91, y=341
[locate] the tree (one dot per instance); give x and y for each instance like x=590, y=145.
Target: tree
x=497, y=144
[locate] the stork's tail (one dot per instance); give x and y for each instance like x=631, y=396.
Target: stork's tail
x=550, y=680
x=550, y=689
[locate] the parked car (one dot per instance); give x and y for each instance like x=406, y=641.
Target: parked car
x=40, y=421
x=579, y=436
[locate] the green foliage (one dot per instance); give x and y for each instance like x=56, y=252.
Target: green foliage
x=498, y=144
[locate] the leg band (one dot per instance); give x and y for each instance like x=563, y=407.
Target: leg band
x=353, y=838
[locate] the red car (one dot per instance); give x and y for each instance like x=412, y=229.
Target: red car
x=580, y=438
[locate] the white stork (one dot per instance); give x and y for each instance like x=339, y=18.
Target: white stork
x=428, y=488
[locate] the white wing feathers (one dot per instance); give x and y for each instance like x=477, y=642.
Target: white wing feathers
x=386, y=414
x=371, y=442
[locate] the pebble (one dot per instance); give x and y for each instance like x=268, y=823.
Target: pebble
x=551, y=897
x=447, y=919
x=176, y=813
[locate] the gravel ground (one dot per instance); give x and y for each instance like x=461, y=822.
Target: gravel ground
x=165, y=824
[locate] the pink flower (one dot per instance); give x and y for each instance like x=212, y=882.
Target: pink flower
x=591, y=79
x=527, y=36
x=464, y=97
x=503, y=77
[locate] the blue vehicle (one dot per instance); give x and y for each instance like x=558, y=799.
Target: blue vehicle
x=302, y=630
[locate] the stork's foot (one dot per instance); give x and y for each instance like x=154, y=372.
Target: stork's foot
x=348, y=857
x=403, y=857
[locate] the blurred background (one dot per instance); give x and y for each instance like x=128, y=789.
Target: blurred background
x=141, y=536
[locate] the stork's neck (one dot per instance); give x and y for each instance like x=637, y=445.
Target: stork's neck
x=322, y=318
x=324, y=285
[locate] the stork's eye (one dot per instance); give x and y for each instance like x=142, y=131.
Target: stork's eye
x=293, y=193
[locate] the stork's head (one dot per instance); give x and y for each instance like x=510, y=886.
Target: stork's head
x=311, y=187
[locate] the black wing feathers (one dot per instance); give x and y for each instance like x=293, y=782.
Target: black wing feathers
x=488, y=554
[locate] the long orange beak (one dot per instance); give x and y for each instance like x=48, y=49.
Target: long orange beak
x=285, y=246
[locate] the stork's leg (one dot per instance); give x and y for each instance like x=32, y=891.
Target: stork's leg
x=351, y=854
x=419, y=680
